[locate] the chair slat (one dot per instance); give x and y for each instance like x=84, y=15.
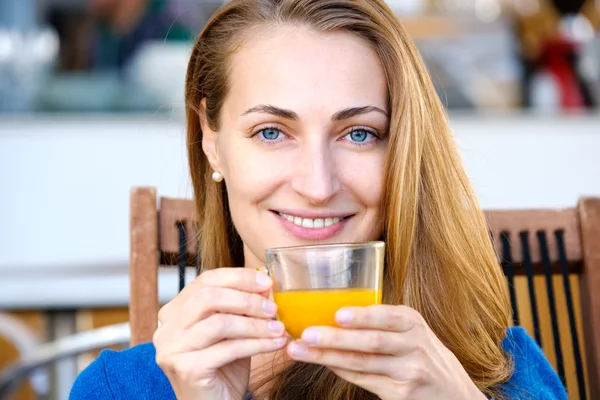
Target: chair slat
x=510, y=274
x=525, y=248
x=544, y=254
x=143, y=264
x=571, y=312
x=589, y=211
x=183, y=253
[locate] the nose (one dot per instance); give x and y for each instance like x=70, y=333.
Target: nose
x=315, y=174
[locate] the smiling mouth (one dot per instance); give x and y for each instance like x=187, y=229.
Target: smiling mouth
x=313, y=223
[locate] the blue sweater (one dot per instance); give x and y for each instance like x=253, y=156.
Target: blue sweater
x=133, y=374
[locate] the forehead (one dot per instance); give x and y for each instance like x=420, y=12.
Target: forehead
x=289, y=66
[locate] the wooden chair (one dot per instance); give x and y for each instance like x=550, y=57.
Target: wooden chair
x=551, y=259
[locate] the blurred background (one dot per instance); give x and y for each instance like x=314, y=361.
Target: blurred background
x=74, y=56
x=91, y=104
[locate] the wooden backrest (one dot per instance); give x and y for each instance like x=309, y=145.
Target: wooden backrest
x=551, y=260
x=159, y=235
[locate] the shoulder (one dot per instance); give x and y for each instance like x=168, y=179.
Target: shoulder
x=127, y=374
x=533, y=376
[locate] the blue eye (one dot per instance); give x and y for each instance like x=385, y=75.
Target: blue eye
x=270, y=133
x=359, y=135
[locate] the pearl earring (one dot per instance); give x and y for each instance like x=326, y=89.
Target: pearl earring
x=217, y=176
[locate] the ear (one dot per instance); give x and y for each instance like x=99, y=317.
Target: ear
x=209, y=139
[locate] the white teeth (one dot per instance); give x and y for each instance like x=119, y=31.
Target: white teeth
x=311, y=222
x=308, y=223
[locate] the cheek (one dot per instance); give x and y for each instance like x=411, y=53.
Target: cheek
x=251, y=177
x=363, y=177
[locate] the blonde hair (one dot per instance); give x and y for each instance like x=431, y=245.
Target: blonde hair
x=440, y=260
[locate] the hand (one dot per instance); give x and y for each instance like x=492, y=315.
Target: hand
x=389, y=351
x=208, y=333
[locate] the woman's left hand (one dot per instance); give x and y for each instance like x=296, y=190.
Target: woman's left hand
x=389, y=351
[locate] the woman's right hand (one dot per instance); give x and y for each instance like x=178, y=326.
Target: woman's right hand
x=209, y=331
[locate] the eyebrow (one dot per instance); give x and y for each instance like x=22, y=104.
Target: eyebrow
x=338, y=116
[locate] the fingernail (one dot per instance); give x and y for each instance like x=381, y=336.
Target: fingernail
x=280, y=341
x=298, y=349
x=344, y=316
x=269, y=307
x=275, y=326
x=263, y=280
x=311, y=336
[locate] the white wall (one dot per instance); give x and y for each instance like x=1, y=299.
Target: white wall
x=65, y=188
x=528, y=162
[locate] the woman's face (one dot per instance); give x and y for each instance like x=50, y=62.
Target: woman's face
x=302, y=140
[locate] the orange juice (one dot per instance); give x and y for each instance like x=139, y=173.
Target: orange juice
x=299, y=309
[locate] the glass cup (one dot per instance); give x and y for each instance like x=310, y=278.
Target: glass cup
x=310, y=283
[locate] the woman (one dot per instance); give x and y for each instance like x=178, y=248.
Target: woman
x=314, y=121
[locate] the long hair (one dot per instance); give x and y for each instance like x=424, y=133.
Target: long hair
x=440, y=260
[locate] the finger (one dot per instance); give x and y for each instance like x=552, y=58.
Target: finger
x=365, y=341
x=350, y=360
x=394, y=318
x=376, y=384
x=212, y=300
x=243, y=279
x=219, y=327
x=398, y=369
x=209, y=300
x=203, y=363
x=229, y=351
